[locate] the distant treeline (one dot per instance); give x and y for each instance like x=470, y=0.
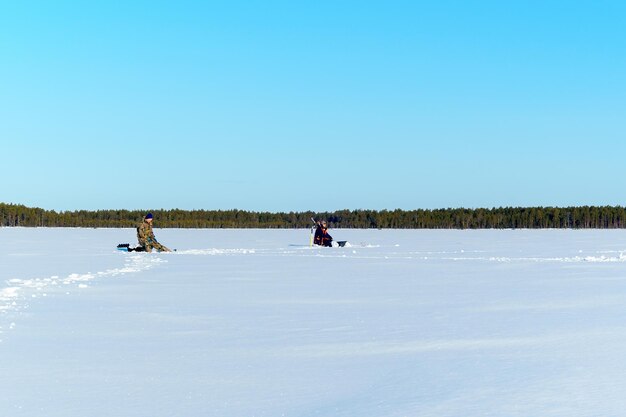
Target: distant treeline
x=586, y=217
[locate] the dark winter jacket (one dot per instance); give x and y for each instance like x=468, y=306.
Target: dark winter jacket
x=322, y=238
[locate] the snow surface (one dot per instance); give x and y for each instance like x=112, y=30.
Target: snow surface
x=256, y=323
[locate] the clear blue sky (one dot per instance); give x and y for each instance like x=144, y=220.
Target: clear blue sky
x=283, y=105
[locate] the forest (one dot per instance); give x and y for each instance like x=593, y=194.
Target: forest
x=584, y=217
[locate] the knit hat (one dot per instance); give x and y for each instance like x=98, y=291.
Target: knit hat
x=149, y=216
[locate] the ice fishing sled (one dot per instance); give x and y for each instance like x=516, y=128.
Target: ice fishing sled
x=125, y=247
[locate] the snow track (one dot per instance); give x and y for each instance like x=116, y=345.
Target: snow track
x=21, y=291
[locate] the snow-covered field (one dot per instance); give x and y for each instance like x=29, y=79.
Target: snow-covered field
x=255, y=323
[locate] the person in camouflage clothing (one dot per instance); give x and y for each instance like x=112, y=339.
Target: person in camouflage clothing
x=146, y=238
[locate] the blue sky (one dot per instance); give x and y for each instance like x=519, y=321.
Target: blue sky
x=280, y=106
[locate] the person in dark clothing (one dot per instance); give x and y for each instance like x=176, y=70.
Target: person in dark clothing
x=322, y=238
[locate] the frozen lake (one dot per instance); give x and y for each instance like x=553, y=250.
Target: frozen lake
x=256, y=323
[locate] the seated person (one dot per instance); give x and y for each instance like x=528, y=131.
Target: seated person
x=322, y=238
x=146, y=238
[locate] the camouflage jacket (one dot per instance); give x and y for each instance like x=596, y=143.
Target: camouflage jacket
x=145, y=235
